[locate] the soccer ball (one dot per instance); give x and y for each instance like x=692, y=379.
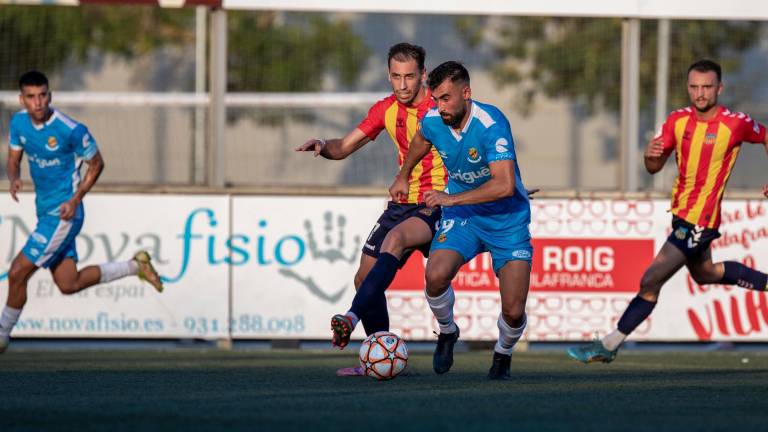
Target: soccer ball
x=383, y=355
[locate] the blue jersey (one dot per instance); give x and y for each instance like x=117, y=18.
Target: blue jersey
x=486, y=138
x=55, y=151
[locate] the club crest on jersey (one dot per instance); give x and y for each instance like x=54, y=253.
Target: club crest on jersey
x=441, y=238
x=710, y=138
x=474, y=156
x=53, y=144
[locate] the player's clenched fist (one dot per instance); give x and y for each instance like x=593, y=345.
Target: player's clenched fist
x=399, y=189
x=314, y=145
x=655, y=148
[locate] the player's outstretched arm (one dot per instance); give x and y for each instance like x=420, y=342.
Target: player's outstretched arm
x=95, y=167
x=654, y=156
x=13, y=168
x=501, y=185
x=336, y=148
x=417, y=149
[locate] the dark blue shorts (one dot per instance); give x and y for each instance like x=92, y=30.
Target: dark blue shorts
x=692, y=240
x=393, y=216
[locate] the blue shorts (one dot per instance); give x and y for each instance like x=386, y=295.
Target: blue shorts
x=692, y=240
x=52, y=241
x=475, y=235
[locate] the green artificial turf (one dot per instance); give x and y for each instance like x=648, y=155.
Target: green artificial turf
x=297, y=390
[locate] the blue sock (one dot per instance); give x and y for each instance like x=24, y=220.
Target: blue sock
x=377, y=317
x=637, y=311
x=369, y=295
x=738, y=274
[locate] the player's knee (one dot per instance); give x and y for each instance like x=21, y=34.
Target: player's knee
x=649, y=284
x=513, y=312
x=67, y=288
x=17, y=274
x=437, y=281
x=703, y=277
x=393, y=243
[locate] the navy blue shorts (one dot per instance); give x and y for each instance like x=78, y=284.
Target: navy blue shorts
x=393, y=216
x=691, y=239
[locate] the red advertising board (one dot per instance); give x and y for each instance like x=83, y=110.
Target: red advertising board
x=559, y=264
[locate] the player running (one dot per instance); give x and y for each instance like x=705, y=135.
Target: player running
x=487, y=209
x=706, y=138
x=55, y=145
x=407, y=224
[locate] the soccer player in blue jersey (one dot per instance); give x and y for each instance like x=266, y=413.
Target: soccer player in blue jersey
x=485, y=208
x=55, y=146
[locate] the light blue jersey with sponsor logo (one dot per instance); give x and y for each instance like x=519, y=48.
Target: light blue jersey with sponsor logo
x=486, y=138
x=55, y=151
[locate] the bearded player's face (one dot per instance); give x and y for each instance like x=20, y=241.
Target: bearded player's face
x=406, y=80
x=703, y=89
x=451, y=99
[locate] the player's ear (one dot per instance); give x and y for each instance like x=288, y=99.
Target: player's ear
x=467, y=93
x=719, y=89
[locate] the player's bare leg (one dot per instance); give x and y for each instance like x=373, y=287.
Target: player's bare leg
x=704, y=271
x=21, y=270
x=442, y=266
x=409, y=234
x=514, y=279
x=666, y=263
x=70, y=281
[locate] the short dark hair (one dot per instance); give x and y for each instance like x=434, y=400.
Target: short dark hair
x=452, y=70
x=705, y=65
x=33, y=78
x=404, y=51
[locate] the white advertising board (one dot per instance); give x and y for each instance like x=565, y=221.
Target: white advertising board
x=184, y=234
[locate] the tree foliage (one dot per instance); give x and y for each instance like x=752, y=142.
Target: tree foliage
x=265, y=53
x=580, y=58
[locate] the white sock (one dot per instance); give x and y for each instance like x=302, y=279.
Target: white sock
x=442, y=308
x=613, y=340
x=352, y=317
x=8, y=320
x=508, y=335
x=116, y=270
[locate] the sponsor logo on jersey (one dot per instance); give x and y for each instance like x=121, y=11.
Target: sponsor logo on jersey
x=470, y=176
x=522, y=254
x=474, y=156
x=502, y=145
x=44, y=163
x=443, y=155
x=53, y=143
x=710, y=138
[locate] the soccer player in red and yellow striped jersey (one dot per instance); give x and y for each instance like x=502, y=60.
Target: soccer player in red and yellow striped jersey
x=406, y=225
x=706, y=138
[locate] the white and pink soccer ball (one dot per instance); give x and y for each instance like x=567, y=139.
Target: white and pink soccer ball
x=383, y=355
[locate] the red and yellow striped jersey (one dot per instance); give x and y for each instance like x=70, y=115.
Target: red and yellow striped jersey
x=402, y=122
x=705, y=152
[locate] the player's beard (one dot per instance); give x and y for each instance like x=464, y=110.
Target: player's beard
x=706, y=107
x=453, y=120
